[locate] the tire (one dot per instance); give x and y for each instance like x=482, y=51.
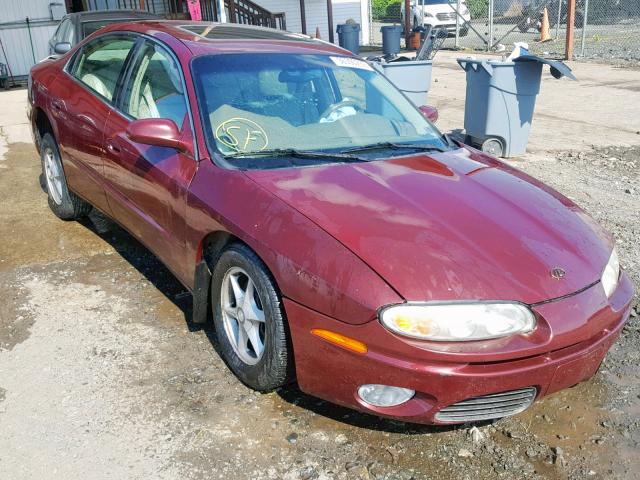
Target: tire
x=493, y=146
x=262, y=371
x=62, y=202
x=523, y=26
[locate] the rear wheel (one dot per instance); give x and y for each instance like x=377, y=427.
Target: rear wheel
x=249, y=320
x=62, y=202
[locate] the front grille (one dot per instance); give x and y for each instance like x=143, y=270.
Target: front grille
x=488, y=407
x=446, y=16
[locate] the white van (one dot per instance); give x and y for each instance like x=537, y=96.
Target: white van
x=439, y=13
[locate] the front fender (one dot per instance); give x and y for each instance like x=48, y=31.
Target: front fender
x=309, y=265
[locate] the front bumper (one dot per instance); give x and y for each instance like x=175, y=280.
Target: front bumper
x=573, y=352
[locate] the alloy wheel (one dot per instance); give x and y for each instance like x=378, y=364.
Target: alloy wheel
x=53, y=175
x=243, y=315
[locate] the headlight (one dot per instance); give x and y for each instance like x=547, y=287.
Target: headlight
x=611, y=274
x=454, y=322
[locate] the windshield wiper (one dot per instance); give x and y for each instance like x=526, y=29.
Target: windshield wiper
x=395, y=146
x=292, y=152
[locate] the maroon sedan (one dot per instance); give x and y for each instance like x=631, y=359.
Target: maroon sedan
x=332, y=233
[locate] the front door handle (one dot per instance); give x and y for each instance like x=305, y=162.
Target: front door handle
x=112, y=146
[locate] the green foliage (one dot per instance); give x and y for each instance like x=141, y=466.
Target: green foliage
x=385, y=9
x=478, y=8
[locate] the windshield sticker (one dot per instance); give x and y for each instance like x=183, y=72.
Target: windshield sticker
x=242, y=135
x=349, y=62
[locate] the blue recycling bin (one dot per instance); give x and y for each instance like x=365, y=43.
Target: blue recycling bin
x=499, y=105
x=349, y=37
x=391, y=35
x=501, y=98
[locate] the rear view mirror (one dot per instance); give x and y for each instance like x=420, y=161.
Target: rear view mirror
x=159, y=132
x=430, y=113
x=61, y=48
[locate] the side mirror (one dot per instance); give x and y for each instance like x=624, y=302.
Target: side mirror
x=159, y=132
x=61, y=48
x=431, y=113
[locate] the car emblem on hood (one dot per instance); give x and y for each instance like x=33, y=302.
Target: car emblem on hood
x=557, y=273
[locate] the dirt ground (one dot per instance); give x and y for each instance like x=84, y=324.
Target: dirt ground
x=103, y=377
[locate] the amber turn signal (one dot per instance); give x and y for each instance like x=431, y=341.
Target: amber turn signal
x=340, y=340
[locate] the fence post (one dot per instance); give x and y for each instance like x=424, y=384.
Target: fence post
x=558, y=19
x=490, y=42
x=458, y=25
x=584, y=26
x=571, y=15
x=407, y=23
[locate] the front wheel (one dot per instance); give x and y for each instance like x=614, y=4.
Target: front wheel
x=249, y=320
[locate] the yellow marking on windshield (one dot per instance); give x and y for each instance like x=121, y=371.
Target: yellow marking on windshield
x=242, y=135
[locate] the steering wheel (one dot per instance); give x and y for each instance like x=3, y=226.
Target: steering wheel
x=336, y=106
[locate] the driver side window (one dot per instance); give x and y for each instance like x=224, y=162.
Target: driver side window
x=154, y=89
x=351, y=86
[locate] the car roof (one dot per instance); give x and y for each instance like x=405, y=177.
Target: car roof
x=112, y=15
x=211, y=37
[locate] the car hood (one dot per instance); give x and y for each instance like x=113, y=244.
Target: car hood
x=458, y=225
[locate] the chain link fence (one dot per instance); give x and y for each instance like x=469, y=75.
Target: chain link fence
x=603, y=28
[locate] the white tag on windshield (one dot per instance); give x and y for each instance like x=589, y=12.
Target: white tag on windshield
x=349, y=62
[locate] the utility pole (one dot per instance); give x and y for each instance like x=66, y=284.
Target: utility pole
x=571, y=15
x=407, y=23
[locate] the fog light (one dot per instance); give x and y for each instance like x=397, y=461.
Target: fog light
x=384, y=395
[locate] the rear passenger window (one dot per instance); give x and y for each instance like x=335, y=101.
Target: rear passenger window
x=100, y=63
x=155, y=88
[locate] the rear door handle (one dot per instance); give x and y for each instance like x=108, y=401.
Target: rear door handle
x=112, y=146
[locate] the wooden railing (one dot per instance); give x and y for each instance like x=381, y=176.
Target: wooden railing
x=247, y=12
x=238, y=11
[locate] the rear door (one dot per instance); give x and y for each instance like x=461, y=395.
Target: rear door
x=81, y=101
x=147, y=185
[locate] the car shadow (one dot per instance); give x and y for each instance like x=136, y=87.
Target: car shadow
x=145, y=262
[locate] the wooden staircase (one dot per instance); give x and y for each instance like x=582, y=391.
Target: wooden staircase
x=245, y=12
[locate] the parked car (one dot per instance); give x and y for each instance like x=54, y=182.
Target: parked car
x=331, y=232
x=75, y=27
x=440, y=14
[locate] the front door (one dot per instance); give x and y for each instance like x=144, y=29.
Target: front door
x=82, y=101
x=147, y=185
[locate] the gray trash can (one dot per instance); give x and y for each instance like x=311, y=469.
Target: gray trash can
x=413, y=78
x=391, y=39
x=499, y=104
x=349, y=37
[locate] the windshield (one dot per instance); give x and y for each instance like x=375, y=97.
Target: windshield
x=254, y=103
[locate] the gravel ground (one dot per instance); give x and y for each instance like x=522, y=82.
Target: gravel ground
x=102, y=376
